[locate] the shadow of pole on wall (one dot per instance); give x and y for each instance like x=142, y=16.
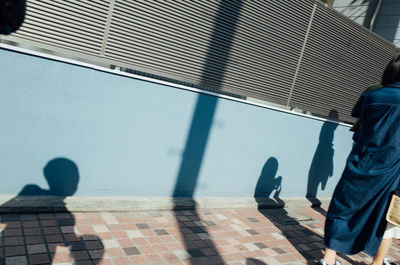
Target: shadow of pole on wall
x=216, y=62
x=62, y=176
x=322, y=166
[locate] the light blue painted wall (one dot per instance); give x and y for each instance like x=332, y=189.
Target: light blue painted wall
x=126, y=135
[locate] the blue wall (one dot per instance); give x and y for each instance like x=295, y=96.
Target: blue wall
x=127, y=136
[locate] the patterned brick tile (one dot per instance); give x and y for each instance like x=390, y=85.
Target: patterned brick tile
x=161, y=232
x=167, y=239
x=142, y=226
x=134, y=234
x=100, y=228
x=96, y=254
x=20, y=260
x=66, y=221
x=153, y=258
x=91, y=245
x=105, y=235
x=30, y=223
x=125, y=243
x=38, y=248
x=13, y=241
x=148, y=233
x=115, y=252
x=130, y=251
x=117, y=227
x=89, y=237
x=84, y=262
x=120, y=234
x=52, y=247
x=137, y=260
x=140, y=241
x=169, y=256
x=67, y=229
x=51, y=230
x=85, y=229
x=71, y=238
x=128, y=226
x=13, y=232
x=54, y=238
x=80, y=255
x=39, y=259
x=160, y=247
x=147, y=250
x=120, y=260
x=231, y=236
x=32, y=231
x=59, y=257
x=14, y=251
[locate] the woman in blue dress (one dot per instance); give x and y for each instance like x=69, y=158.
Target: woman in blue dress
x=356, y=216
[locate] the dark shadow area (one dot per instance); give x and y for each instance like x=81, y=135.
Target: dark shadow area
x=293, y=225
x=251, y=261
x=221, y=40
x=12, y=15
x=38, y=234
x=267, y=182
x=62, y=176
x=321, y=168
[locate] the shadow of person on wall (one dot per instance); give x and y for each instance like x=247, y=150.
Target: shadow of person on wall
x=267, y=184
x=43, y=232
x=291, y=223
x=321, y=168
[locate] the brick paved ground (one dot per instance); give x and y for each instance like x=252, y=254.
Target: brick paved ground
x=232, y=236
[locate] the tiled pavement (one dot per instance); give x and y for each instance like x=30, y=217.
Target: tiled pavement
x=228, y=236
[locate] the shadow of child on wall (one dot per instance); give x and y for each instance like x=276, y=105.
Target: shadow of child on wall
x=37, y=235
x=292, y=225
x=268, y=185
x=321, y=168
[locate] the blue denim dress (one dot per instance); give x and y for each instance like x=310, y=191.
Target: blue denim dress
x=356, y=216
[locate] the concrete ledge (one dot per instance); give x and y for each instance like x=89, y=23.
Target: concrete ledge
x=122, y=204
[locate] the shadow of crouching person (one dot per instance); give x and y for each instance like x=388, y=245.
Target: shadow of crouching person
x=291, y=223
x=268, y=185
x=40, y=234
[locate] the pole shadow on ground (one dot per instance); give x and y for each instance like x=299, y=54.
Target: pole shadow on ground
x=220, y=45
x=39, y=234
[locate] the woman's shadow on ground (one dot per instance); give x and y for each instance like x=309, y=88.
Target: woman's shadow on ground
x=41, y=233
